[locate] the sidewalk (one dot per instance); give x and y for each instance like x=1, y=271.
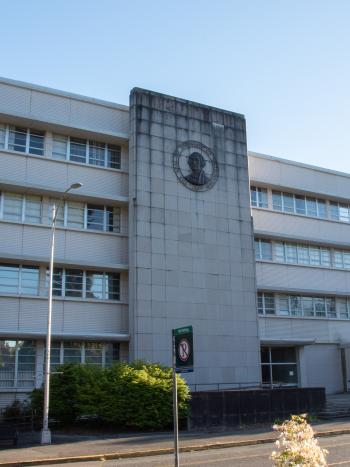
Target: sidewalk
x=83, y=448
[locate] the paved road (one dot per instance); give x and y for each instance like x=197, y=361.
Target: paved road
x=248, y=456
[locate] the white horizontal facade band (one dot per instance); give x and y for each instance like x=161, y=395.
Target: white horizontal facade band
x=287, y=342
x=299, y=291
x=29, y=188
x=67, y=336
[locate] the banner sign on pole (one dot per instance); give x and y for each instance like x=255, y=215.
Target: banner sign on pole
x=184, y=349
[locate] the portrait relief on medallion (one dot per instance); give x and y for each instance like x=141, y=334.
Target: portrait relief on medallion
x=195, y=166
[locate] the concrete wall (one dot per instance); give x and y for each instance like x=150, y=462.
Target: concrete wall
x=191, y=253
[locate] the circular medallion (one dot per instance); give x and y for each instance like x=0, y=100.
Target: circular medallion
x=195, y=166
x=184, y=350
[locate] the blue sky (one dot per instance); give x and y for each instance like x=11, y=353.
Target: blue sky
x=285, y=64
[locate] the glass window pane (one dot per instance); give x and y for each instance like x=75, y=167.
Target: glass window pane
x=260, y=303
x=342, y=308
x=283, y=309
x=265, y=354
x=17, y=139
x=295, y=305
x=253, y=196
x=93, y=353
x=33, y=209
x=13, y=206
x=77, y=150
x=283, y=355
x=343, y=212
x=96, y=153
x=257, y=249
x=288, y=202
x=284, y=374
x=60, y=213
x=279, y=252
x=74, y=283
x=300, y=207
x=59, y=147
x=325, y=257
x=94, y=285
x=57, y=281
x=8, y=350
x=265, y=374
x=315, y=256
x=262, y=198
x=112, y=353
x=308, y=308
x=291, y=253
x=266, y=249
x=346, y=259
x=321, y=208
x=72, y=352
x=9, y=278
x=338, y=259
x=320, y=306
x=75, y=212
x=311, y=207
x=269, y=303
x=2, y=135
x=112, y=286
x=277, y=200
x=303, y=254
x=26, y=364
x=334, y=210
x=29, y=280
x=36, y=142
x=95, y=217
x=330, y=306
x=55, y=357
x=113, y=219
x=113, y=156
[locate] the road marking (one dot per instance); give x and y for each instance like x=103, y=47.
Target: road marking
x=340, y=463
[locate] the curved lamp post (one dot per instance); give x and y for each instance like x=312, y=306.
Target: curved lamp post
x=45, y=432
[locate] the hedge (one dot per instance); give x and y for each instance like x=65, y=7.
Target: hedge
x=137, y=395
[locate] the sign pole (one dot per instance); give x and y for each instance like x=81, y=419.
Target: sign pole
x=175, y=410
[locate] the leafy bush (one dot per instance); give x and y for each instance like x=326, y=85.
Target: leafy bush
x=138, y=395
x=297, y=445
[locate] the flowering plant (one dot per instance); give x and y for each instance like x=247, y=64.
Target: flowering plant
x=297, y=446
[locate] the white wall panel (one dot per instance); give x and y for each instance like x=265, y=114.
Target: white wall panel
x=294, y=176
x=320, y=329
x=33, y=241
x=302, y=278
x=57, y=176
x=29, y=315
x=57, y=107
x=321, y=367
x=297, y=227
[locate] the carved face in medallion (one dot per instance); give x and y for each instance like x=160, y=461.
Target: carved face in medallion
x=195, y=166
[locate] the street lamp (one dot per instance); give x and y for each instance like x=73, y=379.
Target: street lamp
x=45, y=432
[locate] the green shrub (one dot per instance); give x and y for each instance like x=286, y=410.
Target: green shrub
x=137, y=396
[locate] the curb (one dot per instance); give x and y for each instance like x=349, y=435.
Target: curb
x=158, y=452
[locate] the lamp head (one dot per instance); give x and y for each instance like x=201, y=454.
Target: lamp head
x=75, y=186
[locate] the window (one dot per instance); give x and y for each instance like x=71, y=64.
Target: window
x=258, y=197
x=78, y=150
x=86, y=152
x=95, y=217
x=266, y=303
x=74, y=283
x=2, y=135
x=16, y=279
x=303, y=254
x=113, y=219
x=12, y=207
x=23, y=140
x=263, y=249
x=298, y=204
x=89, y=353
x=307, y=306
x=279, y=366
x=291, y=253
x=85, y=284
x=33, y=209
x=75, y=215
x=17, y=367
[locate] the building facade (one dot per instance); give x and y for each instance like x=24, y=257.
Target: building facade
x=160, y=236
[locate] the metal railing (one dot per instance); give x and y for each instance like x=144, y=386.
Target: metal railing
x=196, y=387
